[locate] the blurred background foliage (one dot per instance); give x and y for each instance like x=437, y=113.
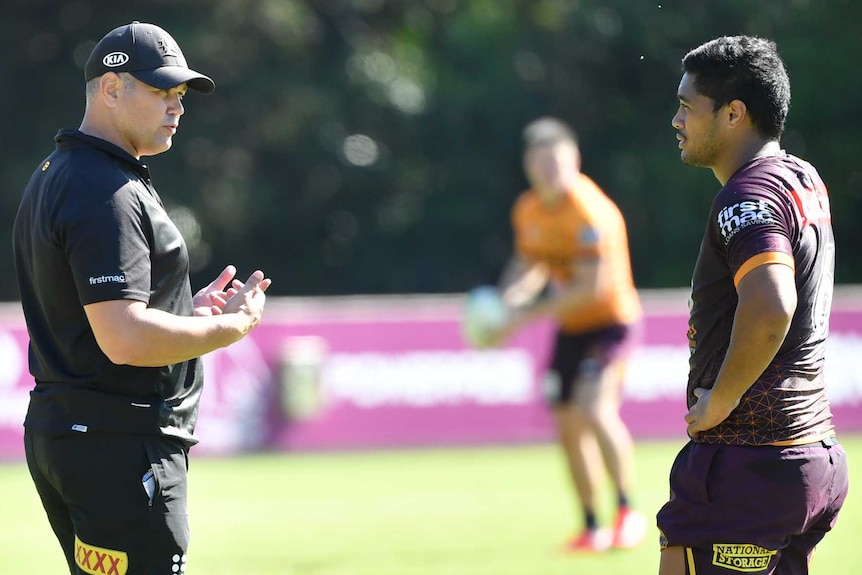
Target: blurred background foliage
x=373, y=146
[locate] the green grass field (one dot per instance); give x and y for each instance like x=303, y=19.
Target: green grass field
x=491, y=511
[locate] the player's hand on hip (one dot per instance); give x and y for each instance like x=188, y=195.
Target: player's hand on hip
x=211, y=299
x=707, y=412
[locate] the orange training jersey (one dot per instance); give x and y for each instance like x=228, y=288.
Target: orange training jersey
x=585, y=224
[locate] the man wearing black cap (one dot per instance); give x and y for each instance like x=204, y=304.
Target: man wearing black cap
x=115, y=332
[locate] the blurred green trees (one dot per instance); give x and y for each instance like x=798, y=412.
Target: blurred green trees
x=373, y=146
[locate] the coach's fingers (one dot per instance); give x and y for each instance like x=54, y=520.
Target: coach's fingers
x=253, y=281
x=219, y=283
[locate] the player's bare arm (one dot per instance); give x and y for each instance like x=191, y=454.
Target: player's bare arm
x=582, y=290
x=130, y=333
x=522, y=281
x=767, y=301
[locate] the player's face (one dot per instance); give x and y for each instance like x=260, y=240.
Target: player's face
x=552, y=167
x=151, y=117
x=696, y=125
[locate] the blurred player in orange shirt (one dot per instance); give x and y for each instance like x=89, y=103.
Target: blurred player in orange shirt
x=571, y=263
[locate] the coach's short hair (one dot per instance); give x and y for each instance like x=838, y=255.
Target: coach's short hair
x=744, y=68
x=547, y=130
x=92, y=87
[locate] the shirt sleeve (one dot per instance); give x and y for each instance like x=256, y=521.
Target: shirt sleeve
x=108, y=249
x=754, y=228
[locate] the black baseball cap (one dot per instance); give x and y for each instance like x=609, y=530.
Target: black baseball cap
x=149, y=54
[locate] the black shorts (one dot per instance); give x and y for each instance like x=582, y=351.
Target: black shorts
x=117, y=503
x=584, y=356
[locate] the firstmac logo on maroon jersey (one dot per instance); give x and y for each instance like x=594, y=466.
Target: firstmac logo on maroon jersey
x=740, y=215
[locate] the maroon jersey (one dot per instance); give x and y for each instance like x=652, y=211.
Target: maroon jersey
x=774, y=209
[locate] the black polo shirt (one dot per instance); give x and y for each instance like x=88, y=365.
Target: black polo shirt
x=90, y=227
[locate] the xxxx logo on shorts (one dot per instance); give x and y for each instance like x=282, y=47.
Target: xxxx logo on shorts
x=99, y=561
x=741, y=557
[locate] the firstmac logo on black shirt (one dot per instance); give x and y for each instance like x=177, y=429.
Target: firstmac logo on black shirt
x=119, y=279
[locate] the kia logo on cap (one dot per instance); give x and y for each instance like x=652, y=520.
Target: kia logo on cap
x=115, y=59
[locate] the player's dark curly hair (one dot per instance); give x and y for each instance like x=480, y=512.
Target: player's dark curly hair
x=743, y=68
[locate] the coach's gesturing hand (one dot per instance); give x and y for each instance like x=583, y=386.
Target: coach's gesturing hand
x=211, y=299
x=248, y=298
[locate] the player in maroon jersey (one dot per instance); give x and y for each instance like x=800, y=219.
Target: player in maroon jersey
x=763, y=477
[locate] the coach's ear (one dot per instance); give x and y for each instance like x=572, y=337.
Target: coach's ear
x=110, y=89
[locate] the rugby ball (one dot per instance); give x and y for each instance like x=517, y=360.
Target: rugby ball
x=484, y=312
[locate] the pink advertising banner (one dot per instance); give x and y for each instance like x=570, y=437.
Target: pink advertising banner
x=361, y=373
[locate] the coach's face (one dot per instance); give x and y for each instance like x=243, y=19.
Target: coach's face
x=696, y=124
x=150, y=116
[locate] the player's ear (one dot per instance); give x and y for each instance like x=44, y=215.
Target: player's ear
x=736, y=113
